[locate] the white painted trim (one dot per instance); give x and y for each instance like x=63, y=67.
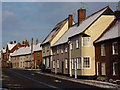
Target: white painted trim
x=90, y=62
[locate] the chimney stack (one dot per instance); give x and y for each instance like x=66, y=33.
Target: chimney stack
x=81, y=15
x=70, y=21
x=26, y=43
x=37, y=41
x=11, y=42
x=23, y=43
x=117, y=13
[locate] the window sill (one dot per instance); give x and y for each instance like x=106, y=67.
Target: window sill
x=115, y=54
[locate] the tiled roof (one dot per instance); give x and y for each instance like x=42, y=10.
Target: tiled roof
x=112, y=33
x=54, y=31
x=74, y=30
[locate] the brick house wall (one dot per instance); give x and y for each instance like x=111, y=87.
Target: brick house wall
x=37, y=58
x=108, y=58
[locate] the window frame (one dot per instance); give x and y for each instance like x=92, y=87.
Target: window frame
x=58, y=63
x=77, y=43
x=66, y=63
x=83, y=41
x=113, y=48
x=57, y=49
x=62, y=49
x=114, y=73
x=103, y=51
x=53, y=64
x=101, y=69
x=89, y=62
x=79, y=63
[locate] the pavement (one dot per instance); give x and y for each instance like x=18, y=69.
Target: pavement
x=95, y=83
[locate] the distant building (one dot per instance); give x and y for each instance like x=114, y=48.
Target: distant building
x=6, y=53
x=21, y=58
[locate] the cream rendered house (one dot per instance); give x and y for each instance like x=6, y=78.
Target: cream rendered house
x=52, y=38
x=82, y=50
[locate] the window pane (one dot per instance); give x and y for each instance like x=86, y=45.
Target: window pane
x=86, y=62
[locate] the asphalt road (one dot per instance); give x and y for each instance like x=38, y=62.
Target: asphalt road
x=24, y=79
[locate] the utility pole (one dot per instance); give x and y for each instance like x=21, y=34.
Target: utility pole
x=31, y=53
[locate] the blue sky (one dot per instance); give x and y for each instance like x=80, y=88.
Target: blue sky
x=24, y=20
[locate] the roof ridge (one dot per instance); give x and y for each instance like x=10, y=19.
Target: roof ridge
x=98, y=11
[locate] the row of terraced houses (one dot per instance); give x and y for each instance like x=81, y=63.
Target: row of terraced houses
x=89, y=47
x=17, y=55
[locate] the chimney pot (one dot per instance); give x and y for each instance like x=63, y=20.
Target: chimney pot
x=37, y=41
x=81, y=15
x=70, y=21
x=117, y=8
x=11, y=42
x=14, y=41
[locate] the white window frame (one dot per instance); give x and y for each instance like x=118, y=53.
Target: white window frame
x=44, y=61
x=97, y=67
x=66, y=48
x=101, y=68
x=114, y=72
x=53, y=63
x=89, y=62
x=79, y=65
x=103, y=51
x=71, y=45
x=84, y=41
x=113, y=48
x=57, y=50
x=62, y=49
x=77, y=43
x=58, y=63
x=66, y=63
x=73, y=64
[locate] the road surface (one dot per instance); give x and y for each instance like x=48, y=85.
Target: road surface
x=19, y=79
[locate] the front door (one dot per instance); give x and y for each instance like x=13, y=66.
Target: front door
x=62, y=67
